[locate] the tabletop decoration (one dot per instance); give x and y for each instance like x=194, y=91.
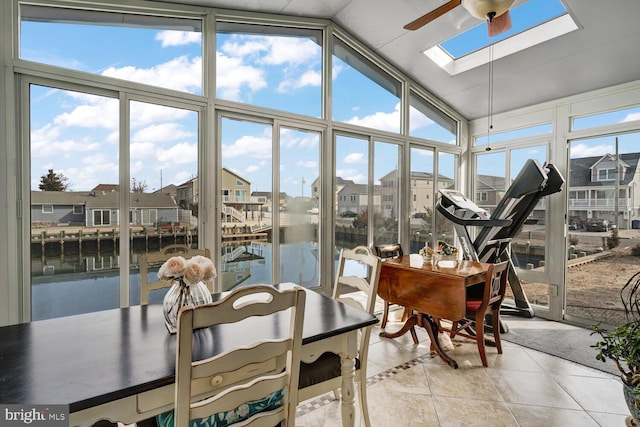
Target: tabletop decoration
x=445, y=255
x=188, y=287
x=426, y=252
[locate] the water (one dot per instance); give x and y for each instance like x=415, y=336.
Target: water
x=73, y=285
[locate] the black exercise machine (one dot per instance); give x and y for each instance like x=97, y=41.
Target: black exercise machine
x=498, y=228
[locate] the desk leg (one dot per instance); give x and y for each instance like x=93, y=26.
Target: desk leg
x=432, y=329
x=409, y=326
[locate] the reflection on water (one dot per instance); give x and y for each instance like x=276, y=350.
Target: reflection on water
x=75, y=285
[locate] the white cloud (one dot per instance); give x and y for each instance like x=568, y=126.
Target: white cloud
x=417, y=120
x=179, y=74
x=272, y=50
x=250, y=146
x=178, y=38
x=582, y=150
x=45, y=143
x=180, y=153
x=308, y=78
x=99, y=113
x=232, y=75
x=290, y=50
x=631, y=117
x=354, y=158
x=161, y=132
x=140, y=150
x=336, y=70
x=296, y=59
x=143, y=114
x=380, y=120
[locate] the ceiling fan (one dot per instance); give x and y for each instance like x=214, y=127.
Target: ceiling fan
x=495, y=12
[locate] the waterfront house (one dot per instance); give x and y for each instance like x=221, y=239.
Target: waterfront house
x=98, y=209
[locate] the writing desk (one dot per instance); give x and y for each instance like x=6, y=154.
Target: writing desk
x=120, y=364
x=430, y=292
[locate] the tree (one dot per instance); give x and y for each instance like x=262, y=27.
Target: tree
x=53, y=182
x=138, y=186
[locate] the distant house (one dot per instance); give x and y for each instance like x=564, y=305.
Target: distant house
x=188, y=194
x=95, y=209
x=265, y=198
x=105, y=188
x=489, y=191
x=354, y=198
x=340, y=184
x=422, y=184
x=594, y=183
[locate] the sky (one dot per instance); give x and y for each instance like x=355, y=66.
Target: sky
x=77, y=134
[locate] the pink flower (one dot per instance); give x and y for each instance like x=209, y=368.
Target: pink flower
x=193, y=273
x=208, y=270
x=174, y=267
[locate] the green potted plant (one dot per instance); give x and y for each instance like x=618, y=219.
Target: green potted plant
x=622, y=345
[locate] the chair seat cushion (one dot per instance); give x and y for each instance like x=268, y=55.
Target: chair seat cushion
x=473, y=304
x=223, y=419
x=326, y=367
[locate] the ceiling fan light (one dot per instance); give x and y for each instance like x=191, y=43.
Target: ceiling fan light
x=480, y=8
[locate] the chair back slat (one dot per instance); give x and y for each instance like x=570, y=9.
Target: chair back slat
x=258, y=370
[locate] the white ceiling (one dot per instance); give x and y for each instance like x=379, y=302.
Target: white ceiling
x=605, y=51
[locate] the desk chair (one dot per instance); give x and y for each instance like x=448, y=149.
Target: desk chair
x=473, y=326
x=160, y=257
x=324, y=375
x=258, y=382
x=393, y=250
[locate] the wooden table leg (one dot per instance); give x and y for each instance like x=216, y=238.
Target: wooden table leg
x=432, y=329
x=409, y=326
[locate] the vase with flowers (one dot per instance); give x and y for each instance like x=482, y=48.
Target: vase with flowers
x=188, y=287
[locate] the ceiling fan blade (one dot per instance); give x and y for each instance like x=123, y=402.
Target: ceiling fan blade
x=436, y=13
x=499, y=24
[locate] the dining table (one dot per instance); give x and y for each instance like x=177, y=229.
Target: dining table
x=429, y=292
x=119, y=364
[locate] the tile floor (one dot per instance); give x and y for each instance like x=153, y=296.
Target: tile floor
x=522, y=387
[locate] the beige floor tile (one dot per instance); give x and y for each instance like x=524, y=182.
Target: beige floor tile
x=608, y=420
x=531, y=388
x=536, y=416
x=556, y=365
x=464, y=382
x=595, y=394
x=455, y=412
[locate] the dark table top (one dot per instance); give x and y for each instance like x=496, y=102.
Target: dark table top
x=94, y=358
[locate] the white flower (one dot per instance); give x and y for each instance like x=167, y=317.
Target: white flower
x=192, y=271
x=173, y=268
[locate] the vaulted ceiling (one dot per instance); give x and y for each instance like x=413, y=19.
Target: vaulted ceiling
x=604, y=51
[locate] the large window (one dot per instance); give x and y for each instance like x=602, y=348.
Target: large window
x=273, y=67
x=145, y=135
x=160, y=51
x=363, y=94
x=73, y=158
x=602, y=215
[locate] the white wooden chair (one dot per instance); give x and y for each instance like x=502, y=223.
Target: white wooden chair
x=323, y=375
x=160, y=257
x=262, y=376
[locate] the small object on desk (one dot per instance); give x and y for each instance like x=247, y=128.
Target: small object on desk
x=448, y=263
x=416, y=260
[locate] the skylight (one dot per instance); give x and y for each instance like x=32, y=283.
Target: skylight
x=534, y=22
